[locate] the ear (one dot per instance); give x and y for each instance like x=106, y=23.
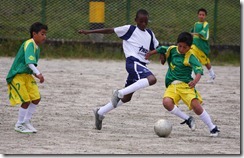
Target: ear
x=33, y=34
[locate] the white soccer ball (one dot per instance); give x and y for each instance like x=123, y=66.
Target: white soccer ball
x=163, y=128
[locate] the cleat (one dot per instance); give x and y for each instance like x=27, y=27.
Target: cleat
x=190, y=122
x=22, y=129
x=214, y=132
x=115, y=98
x=98, y=119
x=30, y=127
x=211, y=80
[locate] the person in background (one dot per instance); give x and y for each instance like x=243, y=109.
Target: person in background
x=22, y=87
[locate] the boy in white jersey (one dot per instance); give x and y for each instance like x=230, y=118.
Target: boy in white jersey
x=137, y=41
x=179, y=83
x=22, y=87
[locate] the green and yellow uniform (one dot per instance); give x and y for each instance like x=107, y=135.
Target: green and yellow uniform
x=21, y=85
x=179, y=74
x=200, y=46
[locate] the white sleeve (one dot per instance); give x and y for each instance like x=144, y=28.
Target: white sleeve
x=120, y=31
x=34, y=69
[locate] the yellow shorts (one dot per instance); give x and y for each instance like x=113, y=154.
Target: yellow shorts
x=201, y=56
x=23, y=88
x=182, y=91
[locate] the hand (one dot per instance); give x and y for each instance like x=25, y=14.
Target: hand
x=147, y=56
x=83, y=32
x=162, y=58
x=192, y=84
x=40, y=77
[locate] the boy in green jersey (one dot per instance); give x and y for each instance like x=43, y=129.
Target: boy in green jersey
x=179, y=83
x=200, y=46
x=22, y=87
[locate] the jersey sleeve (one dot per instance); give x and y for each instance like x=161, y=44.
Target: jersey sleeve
x=122, y=30
x=205, y=31
x=196, y=65
x=30, y=57
x=162, y=49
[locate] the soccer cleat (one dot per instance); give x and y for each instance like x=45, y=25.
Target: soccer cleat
x=211, y=79
x=98, y=119
x=214, y=132
x=30, y=127
x=22, y=129
x=190, y=122
x=115, y=98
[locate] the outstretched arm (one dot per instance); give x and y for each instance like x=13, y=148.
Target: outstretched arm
x=103, y=31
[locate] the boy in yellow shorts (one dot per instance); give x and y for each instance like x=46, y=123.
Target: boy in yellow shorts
x=200, y=46
x=179, y=83
x=22, y=87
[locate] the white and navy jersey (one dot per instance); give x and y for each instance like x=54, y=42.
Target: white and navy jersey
x=136, y=42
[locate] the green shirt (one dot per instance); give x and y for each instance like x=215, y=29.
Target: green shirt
x=28, y=53
x=202, y=28
x=180, y=65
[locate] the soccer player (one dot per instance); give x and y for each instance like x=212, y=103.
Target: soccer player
x=137, y=41
x=179, y=83
x=200, y=46
x=22, y=87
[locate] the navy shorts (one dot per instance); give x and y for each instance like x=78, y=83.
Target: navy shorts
x=136, y=70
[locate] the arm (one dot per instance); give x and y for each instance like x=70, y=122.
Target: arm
x=195, y=81
x=150, y=54
x=103, y=31
x=36, y=72
x=198, y=70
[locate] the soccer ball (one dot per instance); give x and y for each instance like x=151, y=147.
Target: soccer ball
x=163, y=128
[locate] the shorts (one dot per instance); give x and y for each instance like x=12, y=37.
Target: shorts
x=137, y=70
x=23, y=88
x=182, y=91
x=201, y=56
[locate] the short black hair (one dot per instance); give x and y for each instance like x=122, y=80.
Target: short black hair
x=203, y=10
x=36, y=27
x=185, y=37
x=141, y=11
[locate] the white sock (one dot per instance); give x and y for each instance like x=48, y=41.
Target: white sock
x=30, y=110
x=176, y=111
x=108, y=107
x=211, y=72
x=142, y=83
x=21, y=115
x=207, y=120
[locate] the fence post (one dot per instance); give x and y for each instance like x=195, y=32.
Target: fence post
x=215, y=19
x=96, y=18
x=43, y=12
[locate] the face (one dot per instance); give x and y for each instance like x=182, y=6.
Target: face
x=201, y=16
x=40, y=37
x=142, y=21
x=183, y=48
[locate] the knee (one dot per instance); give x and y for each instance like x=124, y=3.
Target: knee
x=36, y=101
x=152, y=80
x=25, y=105
x=196, y=106
x=168, y=104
